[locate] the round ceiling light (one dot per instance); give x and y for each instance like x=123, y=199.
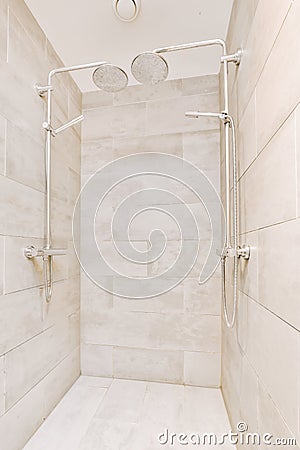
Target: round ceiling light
x=126, y=10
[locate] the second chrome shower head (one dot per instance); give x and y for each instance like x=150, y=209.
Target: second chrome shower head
x=110, y=78
x=149, y=68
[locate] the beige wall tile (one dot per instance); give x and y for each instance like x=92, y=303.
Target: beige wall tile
x=96, y=155
x=22, y=205
x=61, y=216
x=49, y=348
x=129, y=120
x=31, y=409
x=247, y=148
x=2, y=243
x=22, y=106
x=259, y=372
x=242, y=323
x=2, y=386
x=205, y=298
x=267, y=332
x=97, y=360
x=120, y=121
x=297, y=116
x=3, y=32
x=28, y=22
x=264, y=200
x=202, y=149
x=93, y=298
x=200, y=85
x=202, y=369
x=279, y=287
x=283, y=88
x=21, y=45
x=240, y=23
x=163, y=143
x=21, y=151
x=97, y=124
x=194, y=332
x=59, y=380
x=256, y=50
x=171, y=301
x=60, y=179
x=25, y=323
x=95, y=99
x=2, y=144
x=20, y=272
x=249, y=396
x=21, y=209
x=168, y=116
x=270, y=419
x=142, y=364
x=142, y=93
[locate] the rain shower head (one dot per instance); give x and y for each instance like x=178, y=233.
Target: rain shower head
x=110, y=78
x=149, y=68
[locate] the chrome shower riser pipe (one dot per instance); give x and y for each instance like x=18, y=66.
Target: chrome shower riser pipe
x=231, y=248
x=47, y=253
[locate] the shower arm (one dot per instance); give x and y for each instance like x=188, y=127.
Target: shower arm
x=224, y=59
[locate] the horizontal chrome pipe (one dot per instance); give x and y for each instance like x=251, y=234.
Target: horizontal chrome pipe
x=73, y=68
x=69, y=124
x=197, y=114
x=206, y=43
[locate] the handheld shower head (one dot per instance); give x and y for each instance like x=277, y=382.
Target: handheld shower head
x=149, y=68
x=110, y=78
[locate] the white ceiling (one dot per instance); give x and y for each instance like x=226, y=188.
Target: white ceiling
x=86, y=31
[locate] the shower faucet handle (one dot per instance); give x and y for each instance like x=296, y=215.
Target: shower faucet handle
x=32, y=252
x=243, y=251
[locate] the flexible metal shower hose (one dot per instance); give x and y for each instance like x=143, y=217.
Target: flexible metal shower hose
x=231, y=321
x=47, y=261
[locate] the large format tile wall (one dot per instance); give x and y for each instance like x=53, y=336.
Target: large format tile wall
x=261, y=356
x=174, y=337
x=39, y=343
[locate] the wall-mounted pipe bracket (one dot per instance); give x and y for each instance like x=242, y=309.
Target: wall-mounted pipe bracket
x=234, y=57
x=48, y=127
x=42, y=90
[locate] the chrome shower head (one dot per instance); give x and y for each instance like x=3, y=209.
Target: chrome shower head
x=110, y=78
x=149, y=68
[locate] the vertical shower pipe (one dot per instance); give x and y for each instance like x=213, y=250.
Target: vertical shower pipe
x=47, y=259
x=230, y=250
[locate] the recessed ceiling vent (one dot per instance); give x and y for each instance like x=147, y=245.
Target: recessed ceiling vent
x=126, y=10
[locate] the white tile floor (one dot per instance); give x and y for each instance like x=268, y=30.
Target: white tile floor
x=106, y=414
